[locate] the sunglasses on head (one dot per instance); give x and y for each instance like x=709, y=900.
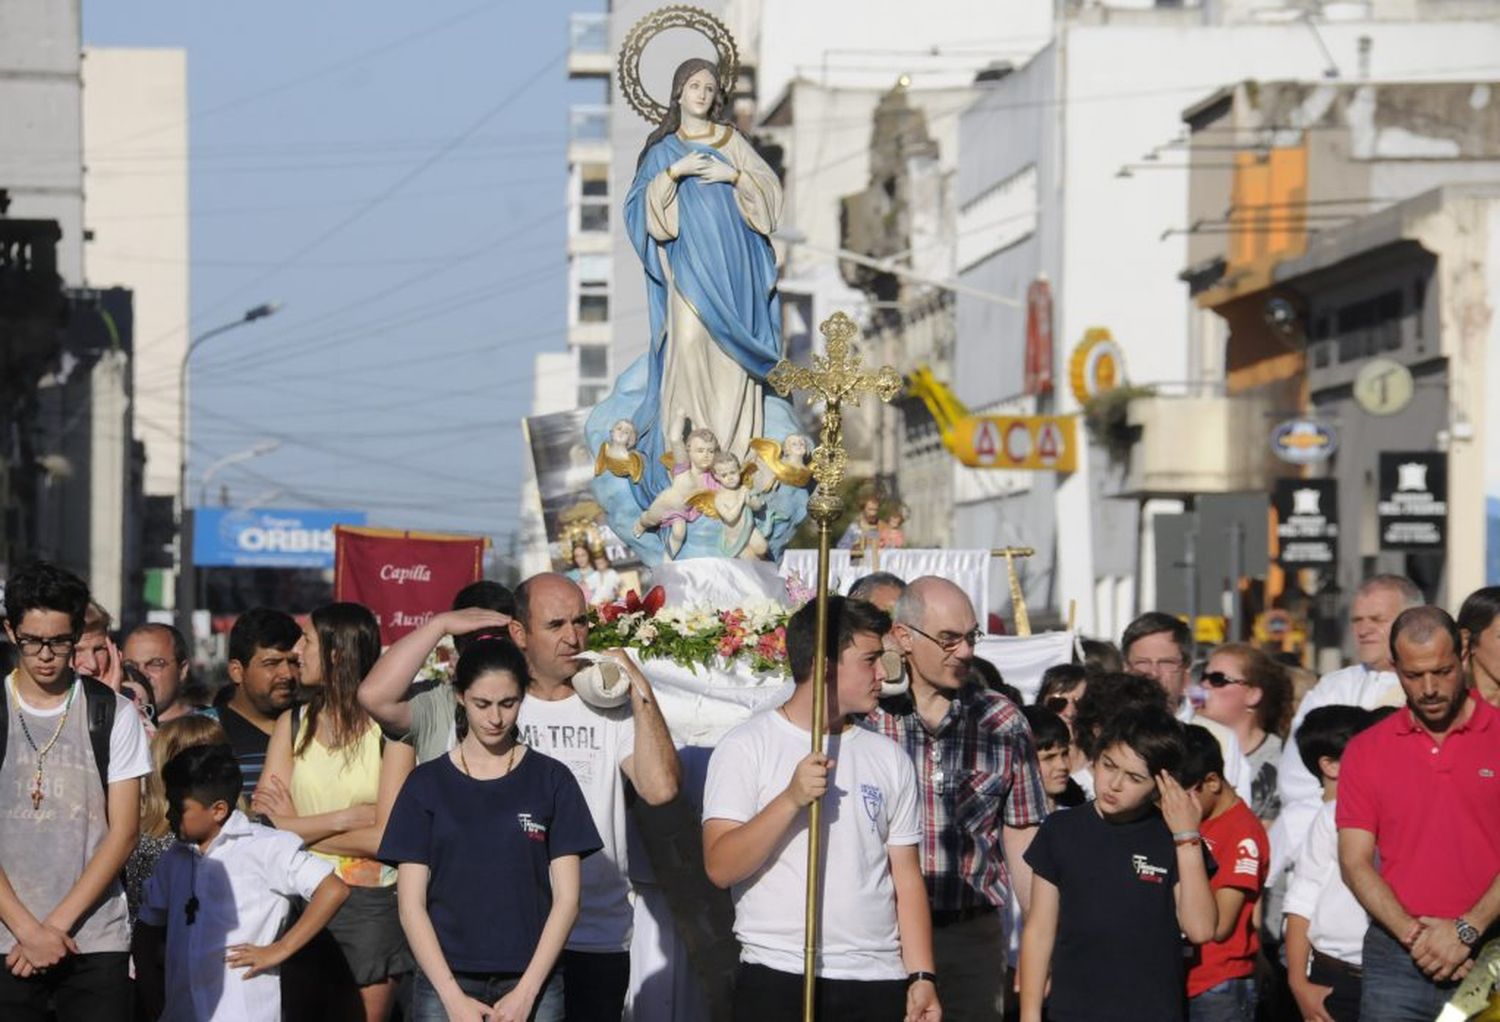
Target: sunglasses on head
x=1218, y=679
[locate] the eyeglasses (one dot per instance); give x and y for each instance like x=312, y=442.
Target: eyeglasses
x=155, y=665
x=57, y=645
x=1218, y=679
x=948, y=641
x=1147, y=666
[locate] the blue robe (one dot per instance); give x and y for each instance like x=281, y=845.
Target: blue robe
x=723, y=267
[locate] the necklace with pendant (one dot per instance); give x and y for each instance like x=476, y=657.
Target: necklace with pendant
x=37, y=791
x=510, y=762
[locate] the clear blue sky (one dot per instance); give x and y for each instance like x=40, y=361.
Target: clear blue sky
x=395, y=174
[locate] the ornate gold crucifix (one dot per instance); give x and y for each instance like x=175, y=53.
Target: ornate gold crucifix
x=836, y=377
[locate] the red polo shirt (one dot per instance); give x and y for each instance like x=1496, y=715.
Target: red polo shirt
x=1434, y=809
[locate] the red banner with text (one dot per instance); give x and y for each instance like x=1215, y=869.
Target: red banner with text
x=403, y=577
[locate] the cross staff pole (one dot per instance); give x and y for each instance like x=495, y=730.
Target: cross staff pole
x=833, y=378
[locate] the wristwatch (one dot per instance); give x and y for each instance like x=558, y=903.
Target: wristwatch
x=919, y=976
x=1466, y=931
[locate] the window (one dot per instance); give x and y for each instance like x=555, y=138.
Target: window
x=591, y=394
x=593, y=361
x=593, y=307
x=593, y=270
x=593, y=202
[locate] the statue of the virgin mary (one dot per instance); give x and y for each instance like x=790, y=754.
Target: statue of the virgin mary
x=699, y=214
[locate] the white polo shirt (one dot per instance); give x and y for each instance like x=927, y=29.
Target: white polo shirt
x=244, y=883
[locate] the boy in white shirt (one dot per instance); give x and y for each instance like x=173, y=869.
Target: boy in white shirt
x=875, y=929
x=1325, y=925
x=220, y=896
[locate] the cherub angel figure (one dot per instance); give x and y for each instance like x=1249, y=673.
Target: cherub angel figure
x=618, y=455
x=733, y=503
x=692, y=471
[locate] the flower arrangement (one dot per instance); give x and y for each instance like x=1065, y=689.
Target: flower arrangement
x=695, y=636
x=439, y=665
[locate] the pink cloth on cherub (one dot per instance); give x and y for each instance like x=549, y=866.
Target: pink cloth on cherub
x=688, y=514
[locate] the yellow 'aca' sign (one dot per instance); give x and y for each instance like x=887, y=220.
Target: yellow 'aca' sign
x=1047, y=443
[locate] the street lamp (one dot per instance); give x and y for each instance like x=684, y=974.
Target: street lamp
x=259, y=450
x=185, y=589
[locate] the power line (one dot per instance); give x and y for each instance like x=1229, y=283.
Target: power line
x=312, y=76
x=402, y=181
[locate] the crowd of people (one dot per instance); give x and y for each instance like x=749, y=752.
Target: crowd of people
x=1153, y=838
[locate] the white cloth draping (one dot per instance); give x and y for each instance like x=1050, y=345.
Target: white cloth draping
x=1021, y=659
x=967, y=569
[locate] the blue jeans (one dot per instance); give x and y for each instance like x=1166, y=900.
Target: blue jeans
x=1231, y=1001
x=1394, y=988
x=488, y=988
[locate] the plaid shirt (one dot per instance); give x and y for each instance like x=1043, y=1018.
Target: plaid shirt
x=976, y=772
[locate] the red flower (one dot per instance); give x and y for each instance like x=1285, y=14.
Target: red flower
x=633, y=604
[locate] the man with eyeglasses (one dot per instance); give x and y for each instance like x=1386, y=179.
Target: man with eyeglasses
x=1160, y=647
x=980, y=791
x=160, y=654
x=73, y=756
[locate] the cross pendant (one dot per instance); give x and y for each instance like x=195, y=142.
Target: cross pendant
x=36, y=796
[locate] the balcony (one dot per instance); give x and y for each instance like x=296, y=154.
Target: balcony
x=588, y=134
x=1198, y=443
x=588, y=46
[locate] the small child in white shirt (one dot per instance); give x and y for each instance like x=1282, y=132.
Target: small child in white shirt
x=218, y=899
x=1325, y=925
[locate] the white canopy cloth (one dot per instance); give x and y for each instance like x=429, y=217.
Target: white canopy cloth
x=1021, y=659
x=967, y=569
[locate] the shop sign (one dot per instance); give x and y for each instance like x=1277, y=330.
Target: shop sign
x=1037, y=442
x=1413, y=501
x=1303, y=442
x=1307, y=522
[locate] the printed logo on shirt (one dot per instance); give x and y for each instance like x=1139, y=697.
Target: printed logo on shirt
x=873, y=799
x=532, y=829
x=1247, y=857
x=554, y=738
x=1486, y=772
x=1146, y=872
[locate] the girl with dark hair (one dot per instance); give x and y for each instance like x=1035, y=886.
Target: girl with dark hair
x=1251, y=695
x=487, y=840
x=331, y=778
x=699, y=215
x=1479, y=625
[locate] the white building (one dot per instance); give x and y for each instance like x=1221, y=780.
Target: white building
x=1054, y=179
x=135, y=117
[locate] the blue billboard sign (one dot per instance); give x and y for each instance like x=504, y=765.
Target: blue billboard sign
x=266, y=537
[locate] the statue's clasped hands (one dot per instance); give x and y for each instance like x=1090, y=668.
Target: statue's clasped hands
x=702, y=165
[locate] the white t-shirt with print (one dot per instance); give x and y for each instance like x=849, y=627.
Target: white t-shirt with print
x=871, y=805
x=592, y=743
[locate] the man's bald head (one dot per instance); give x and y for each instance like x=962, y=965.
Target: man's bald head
x=935, y=631
x=929, y=593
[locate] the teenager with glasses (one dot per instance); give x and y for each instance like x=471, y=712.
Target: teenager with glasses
x=73, y=756
x=1251, y=695
x=979, y=787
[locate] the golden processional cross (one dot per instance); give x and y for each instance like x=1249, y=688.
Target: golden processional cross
x=834, y=378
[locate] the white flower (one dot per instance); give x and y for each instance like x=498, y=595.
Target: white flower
x=763, y=615
x=646, y=633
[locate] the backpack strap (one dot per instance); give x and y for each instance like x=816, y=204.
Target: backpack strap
x=99, y=699
x=4, y=715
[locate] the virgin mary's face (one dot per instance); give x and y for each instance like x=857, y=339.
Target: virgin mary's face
x=698, y=93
